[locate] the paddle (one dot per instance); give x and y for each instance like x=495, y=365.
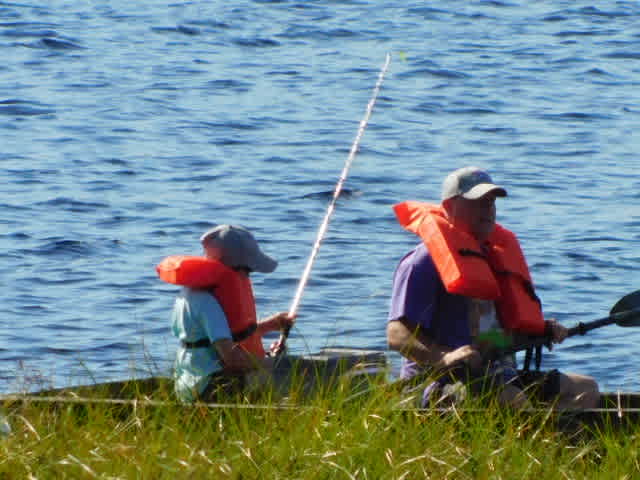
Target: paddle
x=625, y=313
x=336, y=193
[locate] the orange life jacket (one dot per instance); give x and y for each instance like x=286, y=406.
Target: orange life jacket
x=498, y=272
x=232, y=290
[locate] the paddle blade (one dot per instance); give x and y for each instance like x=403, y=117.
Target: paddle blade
x=628, y=307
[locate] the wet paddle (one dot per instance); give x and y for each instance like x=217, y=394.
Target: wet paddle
x=336, y=194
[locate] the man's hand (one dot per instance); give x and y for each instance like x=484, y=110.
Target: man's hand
x=467, y=355
x=558, y=332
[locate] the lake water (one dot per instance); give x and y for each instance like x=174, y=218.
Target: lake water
x=128, y=128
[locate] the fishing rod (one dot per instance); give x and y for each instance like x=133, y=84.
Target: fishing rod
x=336, y=193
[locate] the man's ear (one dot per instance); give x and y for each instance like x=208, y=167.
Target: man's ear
x=449, y=206
x=213, y=252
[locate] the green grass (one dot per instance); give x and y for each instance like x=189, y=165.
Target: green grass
x=333, y=435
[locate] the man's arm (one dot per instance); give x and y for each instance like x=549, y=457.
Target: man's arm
x=412, y=344
x=425, y=352
x=413, y=302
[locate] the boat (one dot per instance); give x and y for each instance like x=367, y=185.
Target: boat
x=357, y=365
x=616, y=409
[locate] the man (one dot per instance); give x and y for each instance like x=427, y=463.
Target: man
x=214, y=315
x=466, y=284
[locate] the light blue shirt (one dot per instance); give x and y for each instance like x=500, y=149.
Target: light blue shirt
x=196, y=315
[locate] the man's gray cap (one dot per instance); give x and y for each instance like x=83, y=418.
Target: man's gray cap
x=238, y=248
x=470, y=183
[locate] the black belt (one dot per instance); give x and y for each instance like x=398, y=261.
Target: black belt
x=237, y=337
x=204, y=342
x=246, y=333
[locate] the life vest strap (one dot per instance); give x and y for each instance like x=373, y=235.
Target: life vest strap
x=467, y=252
x=237, y=337
x=528, y=286
x=244, y=334
x=529, y=355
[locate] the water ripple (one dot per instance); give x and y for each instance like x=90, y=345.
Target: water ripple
x=14, y=107
x=183, y=29
x=72, y=205
x=256, y=42
x=51, y=43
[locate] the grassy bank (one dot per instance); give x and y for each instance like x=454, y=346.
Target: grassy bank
x=333, y=436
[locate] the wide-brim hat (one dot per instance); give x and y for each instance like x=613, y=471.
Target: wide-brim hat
x=238, y=248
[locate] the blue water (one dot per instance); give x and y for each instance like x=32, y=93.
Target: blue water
x=128, y=128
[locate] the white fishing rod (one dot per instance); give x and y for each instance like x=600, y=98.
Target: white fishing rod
x=332, y=204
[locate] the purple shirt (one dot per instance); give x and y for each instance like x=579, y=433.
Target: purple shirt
x=420, y=297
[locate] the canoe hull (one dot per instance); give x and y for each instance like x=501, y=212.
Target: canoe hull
x=616, y=409
x=331, y=362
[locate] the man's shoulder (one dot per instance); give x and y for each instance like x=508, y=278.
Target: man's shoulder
x=418, y=258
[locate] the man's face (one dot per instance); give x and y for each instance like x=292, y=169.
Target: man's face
x=477, y=217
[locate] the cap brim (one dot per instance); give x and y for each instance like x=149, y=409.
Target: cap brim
x=263, y=263
x=482, y=189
